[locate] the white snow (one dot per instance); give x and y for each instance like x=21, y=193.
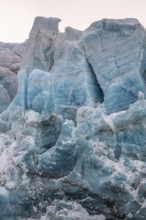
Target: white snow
x=32, y=116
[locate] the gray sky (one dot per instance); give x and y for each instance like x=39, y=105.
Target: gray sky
x=17, y=16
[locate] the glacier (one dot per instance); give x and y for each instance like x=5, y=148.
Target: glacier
x=73, y=123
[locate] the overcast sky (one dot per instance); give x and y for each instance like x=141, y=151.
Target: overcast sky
x=17, y=16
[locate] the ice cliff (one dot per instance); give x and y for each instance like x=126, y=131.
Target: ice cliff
x=73, y=139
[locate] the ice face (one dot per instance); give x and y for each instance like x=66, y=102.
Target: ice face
x=73, y=80
x=40, y=46
x=73, y=140
x=10, y=57
x=116, y=60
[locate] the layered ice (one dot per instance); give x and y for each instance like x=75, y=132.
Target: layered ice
x=73, y=140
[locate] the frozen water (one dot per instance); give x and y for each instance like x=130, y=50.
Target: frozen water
x=73, y=139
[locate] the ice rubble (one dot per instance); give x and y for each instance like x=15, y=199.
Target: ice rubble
x=73, y=140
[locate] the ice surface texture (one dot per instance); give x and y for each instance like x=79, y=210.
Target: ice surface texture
x=73, y=140
x=10, y=57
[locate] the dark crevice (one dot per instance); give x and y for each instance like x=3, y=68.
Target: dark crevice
x=144, y=76
x=17, y=54
x=99, y=96
x=49, y=55
x=49, y=131
x=26, y=93
x=142, y=60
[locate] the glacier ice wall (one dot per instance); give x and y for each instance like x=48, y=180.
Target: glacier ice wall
x=73, y=140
